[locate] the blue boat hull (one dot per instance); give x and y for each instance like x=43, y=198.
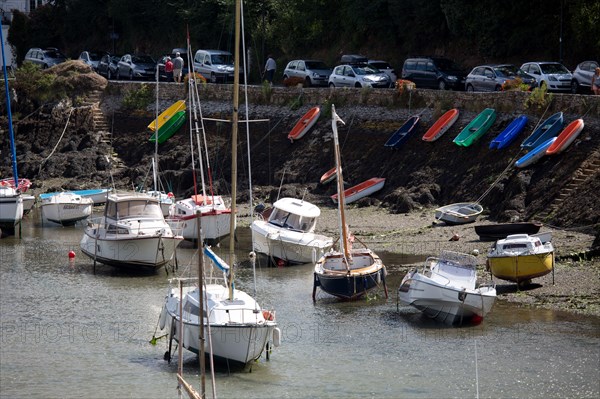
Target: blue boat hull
x=509, y=134
x=550, y=128
x=403, y=133
x=349, y=287
x=535, y=155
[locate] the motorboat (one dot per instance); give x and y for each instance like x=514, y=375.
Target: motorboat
x=211, y=212
x=521, y=257
x=350, y=272
x=132, y=233
x=288, y=232
x=240, y=330
x=66, y=208
x=446, y=288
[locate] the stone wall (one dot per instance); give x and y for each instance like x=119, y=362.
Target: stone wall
x=509, y=102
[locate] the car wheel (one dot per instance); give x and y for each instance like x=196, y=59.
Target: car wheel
x=442, y=85
x=307, y=82
x=45, y=66
x=574, y=87
x=543, y=85
x=213, y=77
x=498, y=88
x=331, y=85
x=470, y=88
x=357, y=85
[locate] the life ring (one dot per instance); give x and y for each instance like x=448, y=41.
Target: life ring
x=268, y=315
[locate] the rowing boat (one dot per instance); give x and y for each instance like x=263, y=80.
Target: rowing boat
x=441, y=126
x=361, y=190
x=304, y=124
x=476, y=128
x=566, y=137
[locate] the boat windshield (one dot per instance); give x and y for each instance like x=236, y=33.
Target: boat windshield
x=134, y=209
x=291, y=220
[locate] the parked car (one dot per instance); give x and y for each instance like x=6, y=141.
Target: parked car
x=313, y=72
x=434, y=72
x=107, y=66
x=92, y=58
x=554, y=75
x=582, y=77
x=386, y=68
x=161, y=62
x=45, y=58
x=136, y=67
x=214, y=65
x=360, y=75
x=492, y=77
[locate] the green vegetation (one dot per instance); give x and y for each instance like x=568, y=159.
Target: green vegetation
x=539, y=99
x=37, y=86
x=139, y=99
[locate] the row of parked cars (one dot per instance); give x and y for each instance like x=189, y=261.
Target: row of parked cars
x=352, y=71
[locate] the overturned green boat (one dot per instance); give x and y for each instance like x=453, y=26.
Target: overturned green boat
x=476, y=128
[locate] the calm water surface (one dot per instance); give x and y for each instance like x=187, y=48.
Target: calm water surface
x=69, y=332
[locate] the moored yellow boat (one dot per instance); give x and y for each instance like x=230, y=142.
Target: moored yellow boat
x=167, y=114
x=520, y=258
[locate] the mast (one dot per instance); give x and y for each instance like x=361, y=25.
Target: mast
x=345, y=248
x=155, y=159
x=8, y=110
x=234, y=134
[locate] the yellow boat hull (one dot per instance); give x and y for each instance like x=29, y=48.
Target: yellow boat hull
x=521, y=268
x=167, y=114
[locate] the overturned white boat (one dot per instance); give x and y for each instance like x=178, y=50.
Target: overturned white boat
x=132, y=233
x=288, y=233
x=446, y=289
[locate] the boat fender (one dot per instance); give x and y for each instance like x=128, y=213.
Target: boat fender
x=276, y=337
x=462, y=295
x=163, y=318
x=268, y=315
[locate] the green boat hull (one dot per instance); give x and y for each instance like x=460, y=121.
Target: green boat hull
x=169, y=128
x=477, y=128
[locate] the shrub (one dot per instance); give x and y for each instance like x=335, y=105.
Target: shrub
x=138, y=99
x=515, y=84
x=34, y=85
x=293, y=81
x=539, y=99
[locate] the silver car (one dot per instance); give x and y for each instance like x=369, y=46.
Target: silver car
x=554, y=75
x=582, y=77
x=492, y=77
x=132, y=66
x=214, y=65
x=362, y=75
x=313, y=72
x=45, y=58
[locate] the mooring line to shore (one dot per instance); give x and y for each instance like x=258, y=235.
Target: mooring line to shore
x=57, y=143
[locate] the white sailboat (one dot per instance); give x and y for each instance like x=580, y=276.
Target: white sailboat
x=11, y=201
x=350, y=272
x=240, y=330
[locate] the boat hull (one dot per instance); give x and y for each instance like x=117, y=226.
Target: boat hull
x=492, y=232
x=548, y=129
x=459, y=213
x=521, y=268
x=328, y=176
x=304, y=124
x=403, y=133
x=11, y=209
x=288, y=245
x=566, y=137
x=361, y=190
x=534, y=155
x=167, y=114
x=476, y=128
x=66, y=214
x=509, y=134
x=442, y=125
x=169, y=128
x=215, y=218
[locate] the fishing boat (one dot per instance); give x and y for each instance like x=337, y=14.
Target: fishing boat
x=350, y=272
x=132, y=233
x=328, y=176
x=240, y=330
x=401, y=135
x=520, y=258
x=535, y=155
x=167, y=114
x=169, y=128
x=361, y=190
x=304, y=124
x=459, y=213
x=66, y=208
x=476, y=128
x=442, y=125
x=566, y=137
x=446, y=289
x=11, y=201
x=497, y=231
x=548, y=129
x=288, y=233
x=510, y=133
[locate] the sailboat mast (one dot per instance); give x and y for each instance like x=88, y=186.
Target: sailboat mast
x=234, y=134
x=340, y=187
x=8, y=110
x=155, y=159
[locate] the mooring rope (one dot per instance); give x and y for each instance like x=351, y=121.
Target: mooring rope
x=59, y=140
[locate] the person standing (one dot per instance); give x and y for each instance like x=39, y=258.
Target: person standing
x=169, y=69
x=270, y=67
x=596, y=82
x=177, y=67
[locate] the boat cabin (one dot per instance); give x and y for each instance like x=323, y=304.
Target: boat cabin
x=294, y=214
x=146, y=208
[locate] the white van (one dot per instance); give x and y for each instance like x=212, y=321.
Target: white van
x=214, y=65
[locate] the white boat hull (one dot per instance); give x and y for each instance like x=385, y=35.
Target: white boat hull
x=459, y=213
x=214, y=220
x=11, y=207
x=289, y=245
x=66, y=208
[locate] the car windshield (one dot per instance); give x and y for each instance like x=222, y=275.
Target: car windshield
x=142, y=59
x=221, y=59
x=447, y=65
x=316, y=65
x=553, y=68
x=365, y=70
x=95, y=56
x=54, y=54
x=505, y=71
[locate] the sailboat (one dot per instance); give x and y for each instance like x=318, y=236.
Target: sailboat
x=11, y=201
x=208, y=209
x=239, y=329
x=350, y=272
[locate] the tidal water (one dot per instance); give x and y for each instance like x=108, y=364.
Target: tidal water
x=69, y=331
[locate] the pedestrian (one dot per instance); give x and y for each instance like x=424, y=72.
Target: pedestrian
x=596, y=82
x=177, y=67
x=169, y=69
x=270, y=67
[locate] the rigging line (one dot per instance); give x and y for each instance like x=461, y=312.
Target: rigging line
x=510, y=164
x=59, y=139
x=251, y=208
